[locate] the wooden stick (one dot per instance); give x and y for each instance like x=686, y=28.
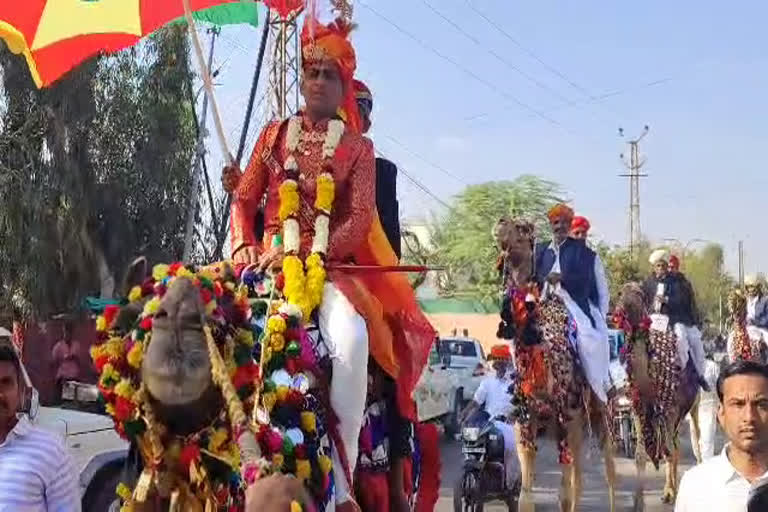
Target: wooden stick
x=383, y=268
x=207, y=82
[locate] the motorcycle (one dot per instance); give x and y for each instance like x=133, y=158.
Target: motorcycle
x=483, y=475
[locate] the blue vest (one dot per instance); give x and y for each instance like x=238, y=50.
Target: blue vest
x=577, y=268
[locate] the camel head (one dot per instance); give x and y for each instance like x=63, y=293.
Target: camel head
x=514, y=238
x=737, y=305
x=632, y=302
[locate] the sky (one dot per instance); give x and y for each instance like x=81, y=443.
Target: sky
x=470, y=91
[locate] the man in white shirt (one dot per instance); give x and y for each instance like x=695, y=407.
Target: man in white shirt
x=493, y=396
x=757, y=308
x=724, y=483
x=36, y=471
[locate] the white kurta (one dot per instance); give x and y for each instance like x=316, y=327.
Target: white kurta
x=493, y=395
x=593, y=347
x=708, y=411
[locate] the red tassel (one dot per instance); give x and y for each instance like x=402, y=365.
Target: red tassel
x=429, y=484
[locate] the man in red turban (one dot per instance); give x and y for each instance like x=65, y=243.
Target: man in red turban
x=316, y=171
x=580, y=228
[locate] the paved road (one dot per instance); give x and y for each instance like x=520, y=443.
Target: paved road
x=594, y=497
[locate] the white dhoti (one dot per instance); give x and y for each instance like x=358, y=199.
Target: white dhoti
x=758, y=334
x=510, y=455
x=592, y=344
x=707, y=416
x=346, y=335
x=689, y=342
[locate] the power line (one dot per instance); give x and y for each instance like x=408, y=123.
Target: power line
x=415, y=181
x=529, y=52
x=426, y=161
x=501, y=59
x=465, y=70
x=593, y=100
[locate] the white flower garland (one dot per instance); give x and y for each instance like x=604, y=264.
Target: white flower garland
x=291, y=231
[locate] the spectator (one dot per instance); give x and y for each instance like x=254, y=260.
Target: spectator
x=66, y=360
x=36, y=471
x=725, y=482
x=707, y=411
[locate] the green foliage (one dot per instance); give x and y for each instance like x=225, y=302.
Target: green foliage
x=463, y=240
x=93, y=171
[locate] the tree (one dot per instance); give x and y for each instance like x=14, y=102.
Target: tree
x=93, y=171
x=463, y=240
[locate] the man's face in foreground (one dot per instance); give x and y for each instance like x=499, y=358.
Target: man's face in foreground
x=743, y=414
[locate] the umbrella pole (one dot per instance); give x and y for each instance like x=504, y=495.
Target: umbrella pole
x=222, y=231
x=207, y=82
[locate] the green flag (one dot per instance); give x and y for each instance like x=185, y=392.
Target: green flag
x=233, y=13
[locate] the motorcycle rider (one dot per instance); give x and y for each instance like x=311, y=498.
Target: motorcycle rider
x=494, y=397
x=672, y=295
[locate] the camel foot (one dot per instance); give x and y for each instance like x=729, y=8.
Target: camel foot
x=638, y=503
x=525, y=502
x=668, y=496
x=565, y=506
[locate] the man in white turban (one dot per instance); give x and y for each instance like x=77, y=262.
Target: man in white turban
x=757, y=307
x=672, y=295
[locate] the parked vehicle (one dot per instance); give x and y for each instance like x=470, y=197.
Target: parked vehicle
x=483, y=475
x=467, y=360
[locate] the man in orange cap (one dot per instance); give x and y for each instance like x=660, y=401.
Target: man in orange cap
x=494, y=397
x=386, y=174
x=576, y=274
x=317, y=173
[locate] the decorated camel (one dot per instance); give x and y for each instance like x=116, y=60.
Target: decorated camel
x=552, y=394
x=744, y=342
x=661, y=394
x=216, y=383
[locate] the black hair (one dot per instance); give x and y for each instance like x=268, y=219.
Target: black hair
x=8, y=354
x=740, y=368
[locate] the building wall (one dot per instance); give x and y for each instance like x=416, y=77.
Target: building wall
x=481, y=326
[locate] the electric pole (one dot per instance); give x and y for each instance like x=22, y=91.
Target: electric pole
x=741, y=263
x=634, y=164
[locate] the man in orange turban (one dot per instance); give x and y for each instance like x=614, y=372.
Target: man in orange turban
x=578, y=277
x=316, y=171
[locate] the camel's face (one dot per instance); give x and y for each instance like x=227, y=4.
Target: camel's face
x=632, y=302
x=514, y=237
x=176, y=367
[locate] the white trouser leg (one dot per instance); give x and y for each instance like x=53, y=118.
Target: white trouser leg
x=708, y=426
x=681, y=333
x=696, y=346
x=346, y=335
x=510, y=455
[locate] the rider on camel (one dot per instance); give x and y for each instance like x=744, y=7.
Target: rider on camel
x=577, y=275
x=672, y=294
x=321, y=156
x=386, y=175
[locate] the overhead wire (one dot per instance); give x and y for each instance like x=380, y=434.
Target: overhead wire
x=498, y=57
x=490, y=85
x=418, y=184
x=426, y=160
x=528, y=51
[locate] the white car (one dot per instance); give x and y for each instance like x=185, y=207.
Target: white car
x=98, y=452
x=456, y=367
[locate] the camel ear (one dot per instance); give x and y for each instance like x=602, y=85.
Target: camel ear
x=135, y=274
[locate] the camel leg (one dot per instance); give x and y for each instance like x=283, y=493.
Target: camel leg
x=570, y=488
x=670, y=485
x=641, y=461
x=527, y=457
x=696, y=430
x=610, y=470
